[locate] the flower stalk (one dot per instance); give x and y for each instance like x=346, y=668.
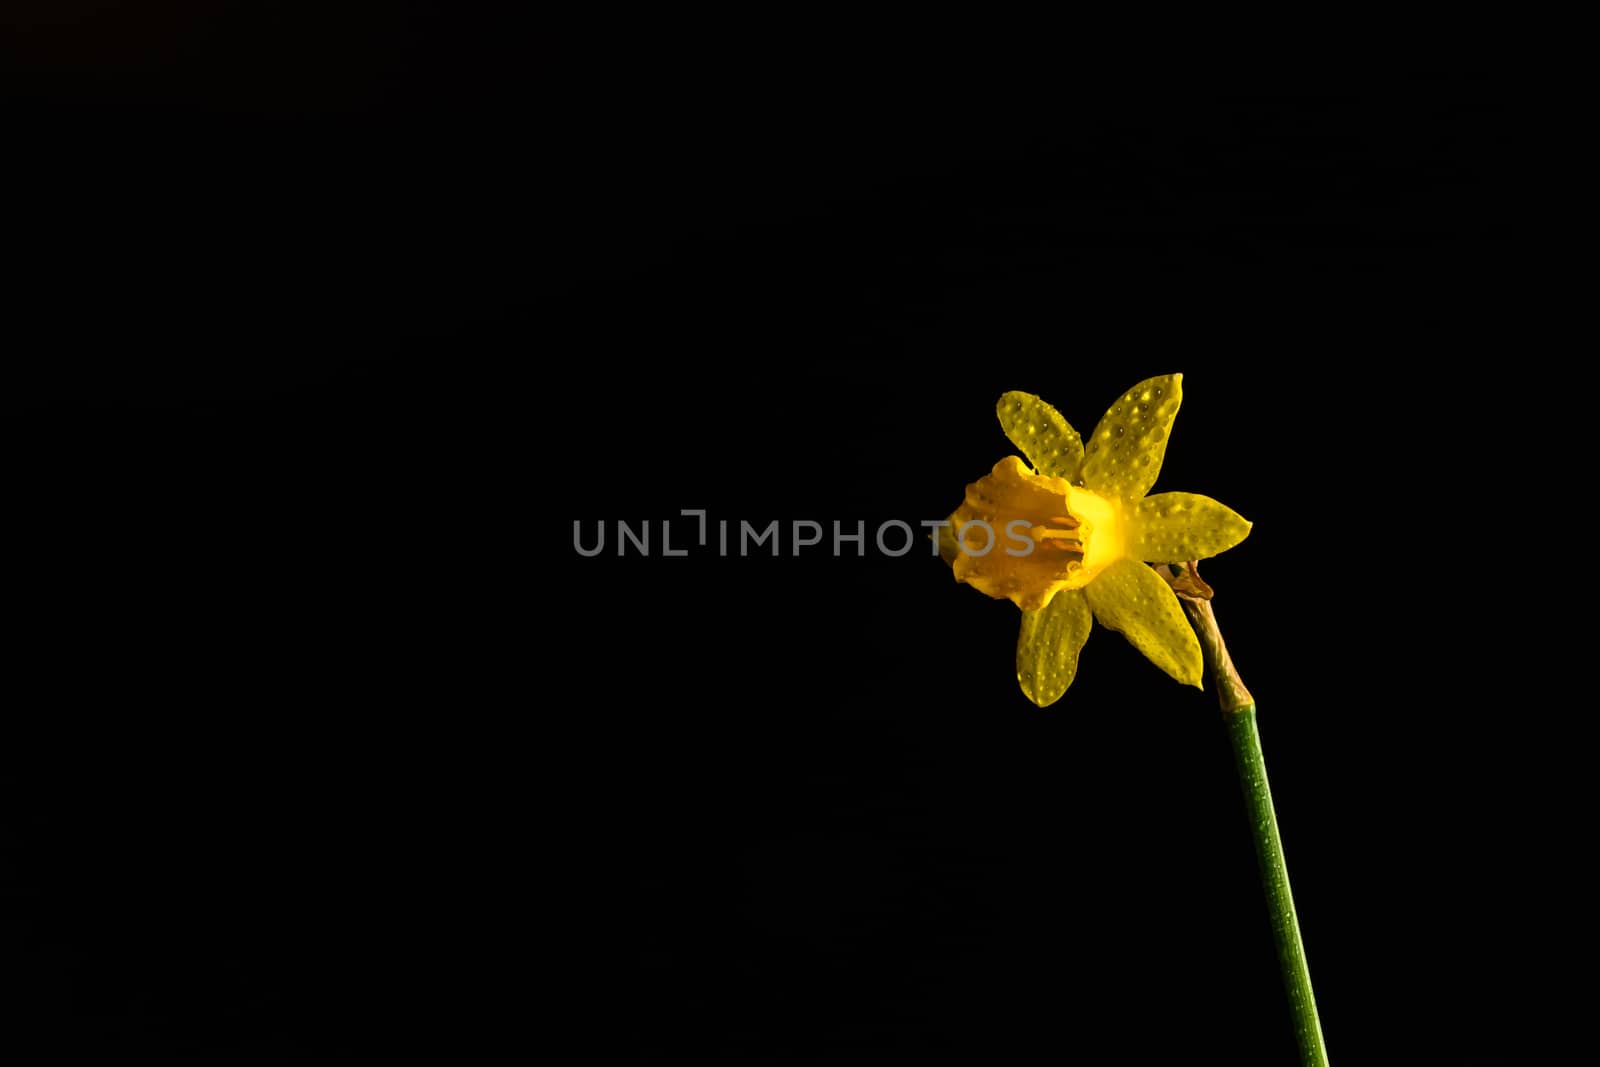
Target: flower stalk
x=1239, y=715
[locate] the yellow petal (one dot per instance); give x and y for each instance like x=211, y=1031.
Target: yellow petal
x=1047, y=650
x=1123, y=456
x=1052, y=446
x=1173, y=527
x=1131, y=599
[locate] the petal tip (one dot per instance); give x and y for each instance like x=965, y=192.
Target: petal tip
x=1013, y=400
x=1033, y=696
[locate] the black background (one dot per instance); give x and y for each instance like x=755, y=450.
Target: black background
x=324, y=739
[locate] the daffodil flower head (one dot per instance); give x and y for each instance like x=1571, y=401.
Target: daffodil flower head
x=1066, y=535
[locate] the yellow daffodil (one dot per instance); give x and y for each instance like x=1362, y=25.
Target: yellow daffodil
x=1065, y=538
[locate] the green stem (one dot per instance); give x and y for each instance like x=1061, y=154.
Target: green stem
x=1252, y=768
x=1239, y=712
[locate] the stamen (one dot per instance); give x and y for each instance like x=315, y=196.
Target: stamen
x=1061, y=541
x=1066, y=548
